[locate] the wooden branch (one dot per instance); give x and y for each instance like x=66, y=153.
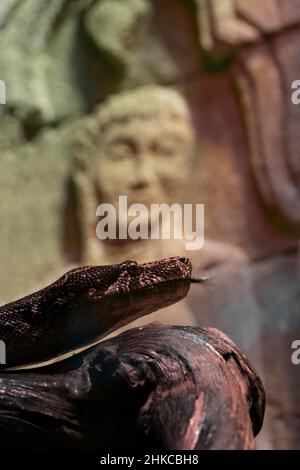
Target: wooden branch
x=155, y=387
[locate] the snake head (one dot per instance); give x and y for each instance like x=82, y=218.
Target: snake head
x=115, y=295
x=88, y=303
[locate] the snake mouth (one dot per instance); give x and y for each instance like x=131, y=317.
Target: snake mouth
x=125, y=307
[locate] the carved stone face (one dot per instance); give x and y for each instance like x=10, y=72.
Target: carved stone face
x=147, y=156
x=146, y=160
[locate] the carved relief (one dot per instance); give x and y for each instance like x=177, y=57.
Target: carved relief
x=271, y=121
x=60, y=65
x=140, y=144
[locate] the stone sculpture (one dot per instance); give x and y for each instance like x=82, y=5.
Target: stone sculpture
x=234, y=62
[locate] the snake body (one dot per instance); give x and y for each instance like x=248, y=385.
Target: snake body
x=86, y=304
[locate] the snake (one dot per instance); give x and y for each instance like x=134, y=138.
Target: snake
x=85, y=305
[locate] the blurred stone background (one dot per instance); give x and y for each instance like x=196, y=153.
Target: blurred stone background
x=75, y=69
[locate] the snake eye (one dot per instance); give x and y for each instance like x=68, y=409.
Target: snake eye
x=131, y=267
x=184, y=260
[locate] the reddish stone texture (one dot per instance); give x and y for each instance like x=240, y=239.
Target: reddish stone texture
x=265, y=16
x=234, y=61
x=248, y=175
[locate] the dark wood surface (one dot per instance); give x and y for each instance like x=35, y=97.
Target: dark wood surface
x=155, y=387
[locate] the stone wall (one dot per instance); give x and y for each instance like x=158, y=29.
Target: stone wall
x=224, y=71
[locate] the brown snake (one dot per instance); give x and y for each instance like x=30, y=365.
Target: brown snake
x=86, y=304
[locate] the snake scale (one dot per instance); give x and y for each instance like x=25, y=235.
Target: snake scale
x=86, y=304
